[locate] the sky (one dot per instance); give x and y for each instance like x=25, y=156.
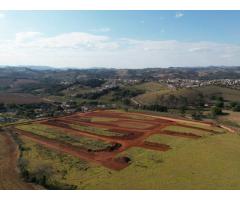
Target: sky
x=120, y=39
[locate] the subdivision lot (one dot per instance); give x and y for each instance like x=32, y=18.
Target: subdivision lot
x=100, y=136
x=175, y=154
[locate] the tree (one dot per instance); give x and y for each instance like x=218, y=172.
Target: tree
x=233, y=104
x=236, y=108
x=219, y=104
x=197, y=115
x=42, y=173
x=215, y=111
x=182, y=110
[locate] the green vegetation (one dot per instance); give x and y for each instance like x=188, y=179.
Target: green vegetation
x=64, y=136
x=55, y=170
x=230, y=119
x=191, y=164
x=215, y=111
x=169, y=140
x=235, y=106
x=210, y=162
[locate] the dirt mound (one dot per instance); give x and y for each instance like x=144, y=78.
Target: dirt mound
x=123, y=159
x=113, y=147
x=155, y=146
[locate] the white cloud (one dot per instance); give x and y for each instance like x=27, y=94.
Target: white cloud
x=179, y=15
x=87, y=50
x=2, y=15
x=74, y=40
x=27, y=36
x=103, y=30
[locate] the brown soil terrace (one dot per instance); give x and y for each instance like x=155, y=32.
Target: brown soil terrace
x=135, y=132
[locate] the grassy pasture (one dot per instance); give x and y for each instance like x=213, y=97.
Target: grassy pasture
x=231, y=119
x=172, y=141
x=226, y=93
x=208, y=91
x=64, y=171
x=186, y=130
x=210, y=162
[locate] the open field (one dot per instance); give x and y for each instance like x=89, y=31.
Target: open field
x=175, y=153
x=150, y=97
x=19, y=98
x=231, y=119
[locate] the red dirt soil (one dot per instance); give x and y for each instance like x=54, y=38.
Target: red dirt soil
x=134, y=137
x=103, y=158
x=155, y=146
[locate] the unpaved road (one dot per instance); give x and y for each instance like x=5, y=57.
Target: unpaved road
x=9, y=176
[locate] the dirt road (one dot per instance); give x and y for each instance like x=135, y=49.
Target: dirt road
x=9, y=176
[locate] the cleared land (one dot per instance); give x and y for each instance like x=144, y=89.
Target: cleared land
x=19, y=98
x=175, y=153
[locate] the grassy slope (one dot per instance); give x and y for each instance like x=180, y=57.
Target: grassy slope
x=208, y=163
x=226, y=93
x=232, y=119
x=187, y=130
x=66, y=169
x=211, y=162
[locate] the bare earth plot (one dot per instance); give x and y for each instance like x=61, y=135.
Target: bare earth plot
x=93, y=130
x=113, y=149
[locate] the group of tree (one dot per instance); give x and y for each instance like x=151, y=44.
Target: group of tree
x=155, y=107
x=235, y=106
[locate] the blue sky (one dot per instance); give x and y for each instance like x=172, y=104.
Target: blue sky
x=124, y=39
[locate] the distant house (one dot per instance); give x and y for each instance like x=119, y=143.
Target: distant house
x=101, y=106
x=84, y=109
x=2, y=119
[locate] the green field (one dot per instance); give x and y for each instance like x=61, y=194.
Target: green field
x=61, y=171
x=231, y=119
x=228, y=94
x=211, y=162
x=187, y=130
